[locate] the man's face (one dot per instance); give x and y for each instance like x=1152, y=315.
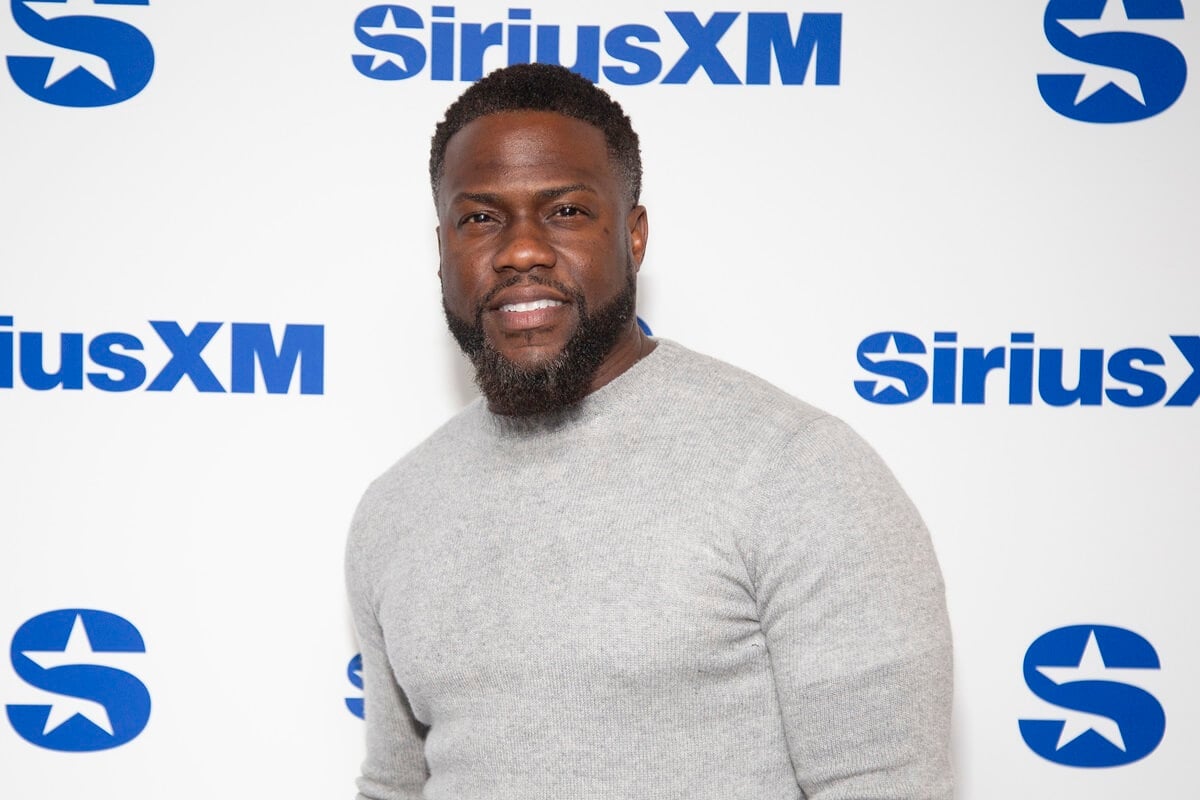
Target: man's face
x=539, y=246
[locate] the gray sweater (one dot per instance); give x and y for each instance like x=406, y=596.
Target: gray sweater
x=690, y=585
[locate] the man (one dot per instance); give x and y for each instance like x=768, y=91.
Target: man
x=630, y=572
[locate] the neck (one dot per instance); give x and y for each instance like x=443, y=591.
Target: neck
x=628, y=350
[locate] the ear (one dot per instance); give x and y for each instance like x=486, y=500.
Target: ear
x=639, y=232
x=437, y=234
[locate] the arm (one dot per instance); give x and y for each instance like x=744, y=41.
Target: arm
x=852, y=605
x=394, y=768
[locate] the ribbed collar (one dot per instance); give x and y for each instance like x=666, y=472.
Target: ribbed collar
x=618, y=396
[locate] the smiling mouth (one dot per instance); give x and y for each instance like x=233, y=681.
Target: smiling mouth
x=534, y=305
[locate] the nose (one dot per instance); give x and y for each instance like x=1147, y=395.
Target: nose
x=524, y=247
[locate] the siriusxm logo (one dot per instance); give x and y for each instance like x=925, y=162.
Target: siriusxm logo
x=252, y=350
x=80, y=656
x=1092, y=672
x=625, y=54
x=354, y=675
x=960, y=374
x=90, y=58
x=1128, y=72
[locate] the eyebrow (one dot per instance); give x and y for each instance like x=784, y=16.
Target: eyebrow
x=559, y=191
x=489, y=198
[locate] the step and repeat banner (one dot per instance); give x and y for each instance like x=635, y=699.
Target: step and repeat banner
x=969, y=229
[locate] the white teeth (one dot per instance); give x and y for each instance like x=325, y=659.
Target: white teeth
x=533, y=306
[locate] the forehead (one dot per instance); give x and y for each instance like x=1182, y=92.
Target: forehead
x=521, y=147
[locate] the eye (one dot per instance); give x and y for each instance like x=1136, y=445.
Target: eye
x=568, y=211
x=478, y=218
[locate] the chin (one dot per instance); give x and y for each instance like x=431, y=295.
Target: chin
x=531, y=356
x=530, y=349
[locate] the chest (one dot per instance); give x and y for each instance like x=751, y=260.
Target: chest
x=525, y=595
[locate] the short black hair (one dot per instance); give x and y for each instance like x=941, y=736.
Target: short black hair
x=543, y=87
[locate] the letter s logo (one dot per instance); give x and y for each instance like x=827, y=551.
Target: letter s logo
x=396, y=56
x=354, y=675
x=96, y=61
x=76, y=655
x=903, y=381
x=1088, y=672
x=1130, y=73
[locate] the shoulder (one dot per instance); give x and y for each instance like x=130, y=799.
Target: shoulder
x=783, y=438
x=433, y=456
x=402, y=491
x=725, y=397
x=766, y=442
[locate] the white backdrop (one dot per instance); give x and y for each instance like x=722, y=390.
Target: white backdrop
x=261, y=177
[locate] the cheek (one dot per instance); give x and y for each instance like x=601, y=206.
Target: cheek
x=604, y=273
x=459, y=282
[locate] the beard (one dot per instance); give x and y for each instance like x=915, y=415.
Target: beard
x=513, y=390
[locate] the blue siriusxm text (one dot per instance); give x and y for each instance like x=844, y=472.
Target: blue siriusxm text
x=905, y=370
x=114, y=361
x=405, y=45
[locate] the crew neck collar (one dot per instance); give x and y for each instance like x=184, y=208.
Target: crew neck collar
x=609, y=398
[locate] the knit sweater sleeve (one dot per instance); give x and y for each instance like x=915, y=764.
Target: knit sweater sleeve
x=852, y=605
x=394, y=767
